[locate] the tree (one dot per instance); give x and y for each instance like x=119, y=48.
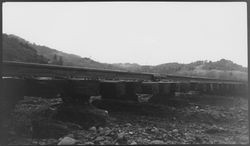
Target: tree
x=60, y=62
x=55, y=58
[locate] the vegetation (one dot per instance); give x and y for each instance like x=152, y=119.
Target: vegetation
x=15, y=50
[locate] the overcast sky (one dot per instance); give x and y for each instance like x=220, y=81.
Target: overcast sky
x=147, y=33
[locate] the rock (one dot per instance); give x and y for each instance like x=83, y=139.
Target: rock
x=164, y=135
x=133, y=143
x=241, y=120
x=226, y=139
x=143, y=141
x=100, y=130
x=198, y=139
x=88, y=143
x=99, y=138
x=67, y=141
x=128, y=124
x=215, y=129
x=175, y=130
x=162, y=129
x=223, y=115
x=52, y=141
x=70, y=135
x=107, y=132
x=121, y=139
x=93, y=129
x=244, y=139
x=155, y=130
x=157, y=142
x=149, y=136
x=42, y=143
x=120, y=135
x=93, y=98
x=106, y=128
x=130, y=132
x=102, y=143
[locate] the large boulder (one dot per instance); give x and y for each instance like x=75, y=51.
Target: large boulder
x=67, y=141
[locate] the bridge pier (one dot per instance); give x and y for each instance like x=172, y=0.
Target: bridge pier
x=120, y=90
x=132, y=88
x=239, y=90
x=48, y=88
x=227, y=89
x=220, y=89
x=193, y=86
x=161, y=91
x=13, y=90
x=112, y=89
x=202, y=88
x=216, y=88
x=243, y=89
x=74, y=90
x=78, y=91
x=235, y=89
x=150, y=88
x=165, y=89
x=232, y=89
x=211, y=88
x=182, y=87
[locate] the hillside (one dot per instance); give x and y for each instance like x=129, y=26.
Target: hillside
x=223, y=69
x=69, y=59
x=51, y=56
x=17, y=49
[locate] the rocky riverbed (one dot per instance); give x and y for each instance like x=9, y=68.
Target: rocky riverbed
x=201, y=119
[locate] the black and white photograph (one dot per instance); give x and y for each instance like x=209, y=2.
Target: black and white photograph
x=124, y=73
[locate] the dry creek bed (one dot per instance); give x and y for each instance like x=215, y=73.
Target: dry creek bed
x=203, y=119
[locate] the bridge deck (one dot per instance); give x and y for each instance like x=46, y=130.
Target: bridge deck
x=44, y=70
x=20, y=69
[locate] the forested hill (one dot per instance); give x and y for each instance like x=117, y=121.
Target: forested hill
x=17, y=49
x=222, y=69
x=13, y=45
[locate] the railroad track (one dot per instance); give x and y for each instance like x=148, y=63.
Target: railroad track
x=21, y=69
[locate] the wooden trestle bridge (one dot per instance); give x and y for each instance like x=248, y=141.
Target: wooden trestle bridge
x=30, y=79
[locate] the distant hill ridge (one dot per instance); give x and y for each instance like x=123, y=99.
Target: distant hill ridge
x=16, y=48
